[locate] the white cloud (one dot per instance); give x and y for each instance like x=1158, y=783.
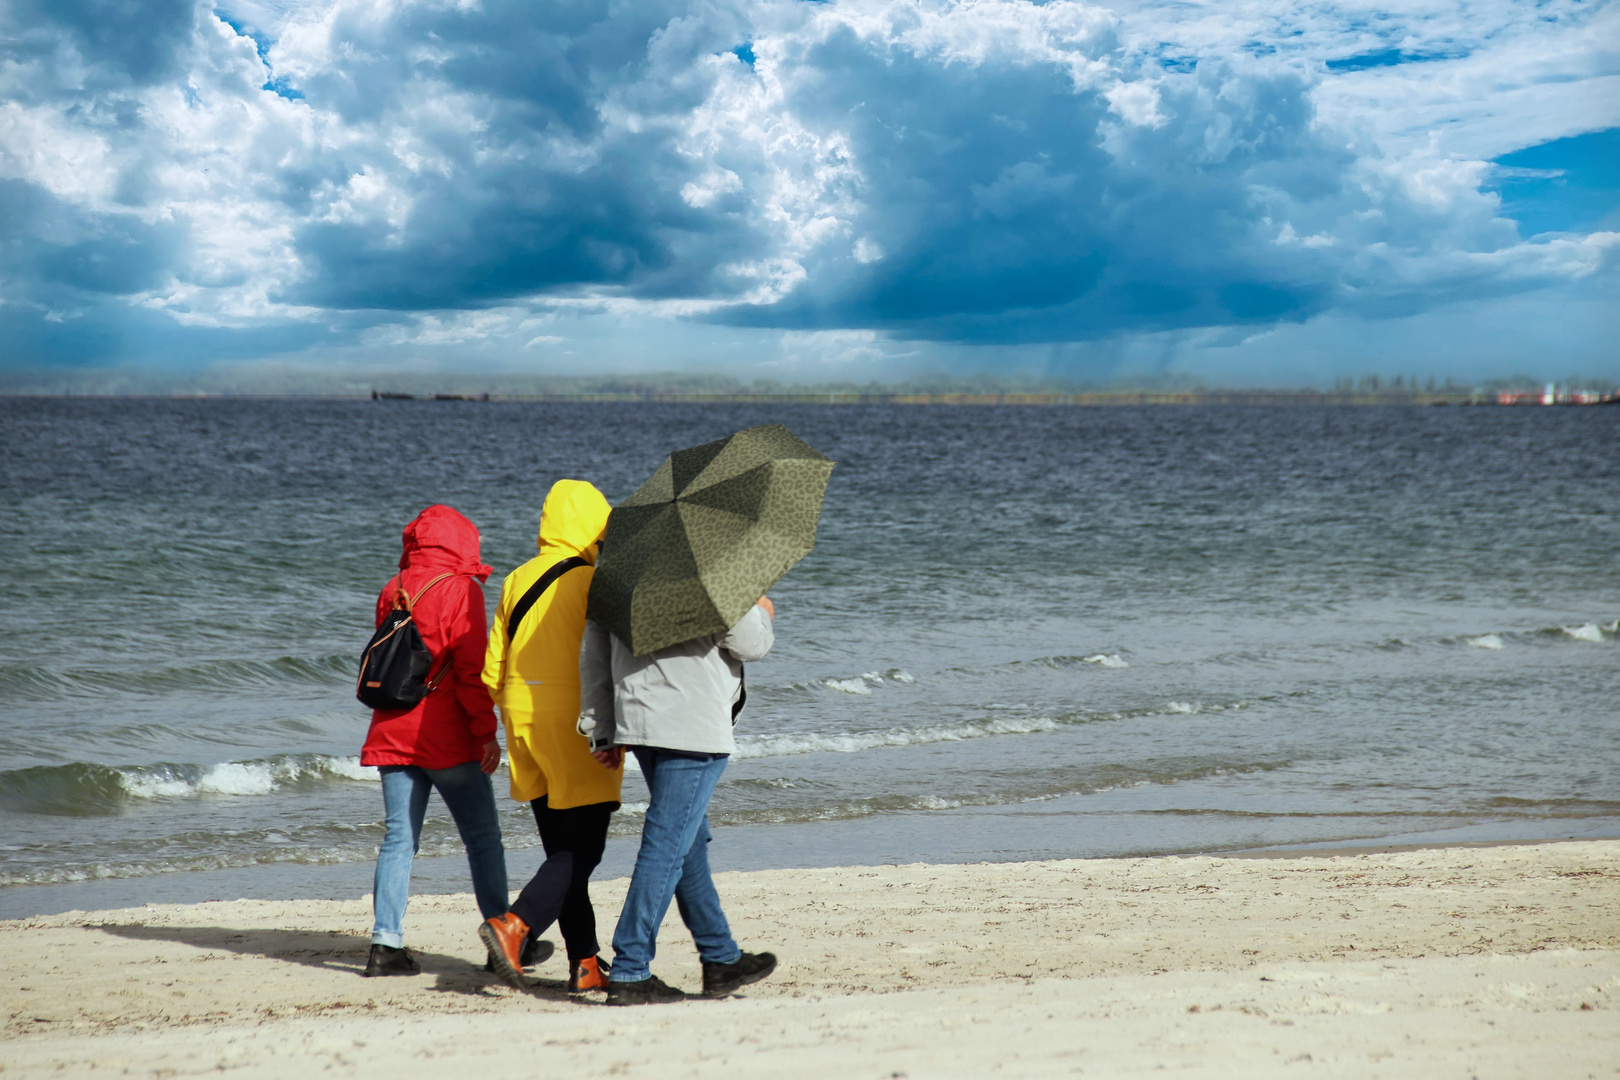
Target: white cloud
x=981, y=170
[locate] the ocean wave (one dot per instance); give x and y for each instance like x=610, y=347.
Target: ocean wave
x=1592, y=633
x=35, y=683
x=82, y=788
x=763, y=746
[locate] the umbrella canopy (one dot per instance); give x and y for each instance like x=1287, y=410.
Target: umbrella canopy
x=712, y=530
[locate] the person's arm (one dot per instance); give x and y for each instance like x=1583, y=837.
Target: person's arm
x=385, y=600
x=596, y=717
x=752, y=637
x=468, y=642
x=495, y=655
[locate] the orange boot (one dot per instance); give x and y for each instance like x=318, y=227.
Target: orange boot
x=504, y=937
x=590, y=973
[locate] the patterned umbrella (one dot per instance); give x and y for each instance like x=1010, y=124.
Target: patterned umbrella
x=713, y=529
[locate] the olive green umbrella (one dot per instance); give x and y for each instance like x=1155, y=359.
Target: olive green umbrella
x=714, y=528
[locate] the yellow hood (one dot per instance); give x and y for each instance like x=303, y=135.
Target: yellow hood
x=572, y=520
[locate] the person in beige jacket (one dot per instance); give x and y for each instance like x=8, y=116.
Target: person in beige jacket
x=674, y=709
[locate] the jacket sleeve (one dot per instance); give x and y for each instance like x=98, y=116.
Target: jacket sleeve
x=596, y=718
x=751, y=638
x=495, y=654
x=471, y=638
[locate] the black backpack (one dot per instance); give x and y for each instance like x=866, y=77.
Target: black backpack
x=395, y=665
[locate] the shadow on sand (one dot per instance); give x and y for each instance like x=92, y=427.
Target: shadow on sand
x=333, y=950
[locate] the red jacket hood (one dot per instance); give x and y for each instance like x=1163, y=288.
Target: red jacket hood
x=440, y=539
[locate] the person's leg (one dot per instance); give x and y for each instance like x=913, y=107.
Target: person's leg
x=587, y=838
x=405, y=796
x=679, y=789
x=470, y=798
x=542, y=898
x=699, y=904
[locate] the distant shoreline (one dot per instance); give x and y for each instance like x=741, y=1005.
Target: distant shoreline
x=1101, y=398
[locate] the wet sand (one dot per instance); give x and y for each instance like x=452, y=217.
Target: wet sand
x=1489, y=962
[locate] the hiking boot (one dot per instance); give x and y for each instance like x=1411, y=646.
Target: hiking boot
x=649, y=991
x=721, y=979
x=535, y=951
x=386, y=960
x=590, y=973
x=504, y=937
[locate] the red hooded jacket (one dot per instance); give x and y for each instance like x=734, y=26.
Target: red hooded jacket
x=451, y=725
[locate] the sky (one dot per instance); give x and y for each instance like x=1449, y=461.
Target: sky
x=1253, y=192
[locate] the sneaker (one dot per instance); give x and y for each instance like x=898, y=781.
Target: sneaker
x=721, y=979
x=504, y=937
x=535, y=951
x=649, y=991
x=386, y=960
x=590, y=973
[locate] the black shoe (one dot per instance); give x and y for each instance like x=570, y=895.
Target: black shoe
x=649, y=991
x=535, y=951
x=721, y=979
x=385, y=960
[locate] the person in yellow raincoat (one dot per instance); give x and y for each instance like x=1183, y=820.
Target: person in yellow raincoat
x=533, y=675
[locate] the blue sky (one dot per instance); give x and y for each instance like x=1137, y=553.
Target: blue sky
x=1265, y=192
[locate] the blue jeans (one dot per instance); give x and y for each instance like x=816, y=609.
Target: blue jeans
x=673, y=862
x=470, y=798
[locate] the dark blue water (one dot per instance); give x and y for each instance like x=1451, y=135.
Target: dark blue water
x=1025, y=632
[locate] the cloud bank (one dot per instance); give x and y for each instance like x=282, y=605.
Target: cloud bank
x=504, y=182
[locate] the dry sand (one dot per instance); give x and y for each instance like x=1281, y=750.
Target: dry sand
x=1458, y=962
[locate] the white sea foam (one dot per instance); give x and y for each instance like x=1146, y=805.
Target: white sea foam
x=1486, y=641
x=1184, y=707
x=148, y=786
x=812, y=743
x=1109, y=660
x=1589, y=632
x=848, y=686
x=234, y=778
x=240, y=777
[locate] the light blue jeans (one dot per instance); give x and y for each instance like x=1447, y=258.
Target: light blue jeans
x=470, y=798
x=673, y=862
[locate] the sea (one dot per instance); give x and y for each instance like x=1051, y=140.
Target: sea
x=1024, y=633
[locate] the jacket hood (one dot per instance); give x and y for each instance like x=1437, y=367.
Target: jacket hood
x=573, y=519
x=440, y=539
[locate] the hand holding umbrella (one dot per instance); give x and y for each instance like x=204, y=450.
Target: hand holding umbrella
x=706, y=536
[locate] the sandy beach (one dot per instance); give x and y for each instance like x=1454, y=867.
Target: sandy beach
x=1467, y=962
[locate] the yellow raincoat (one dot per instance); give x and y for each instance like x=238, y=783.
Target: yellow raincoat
x=536, y=682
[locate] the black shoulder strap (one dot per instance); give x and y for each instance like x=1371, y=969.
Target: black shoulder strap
x=536, y=590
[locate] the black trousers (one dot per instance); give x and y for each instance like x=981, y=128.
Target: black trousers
x=560, y=890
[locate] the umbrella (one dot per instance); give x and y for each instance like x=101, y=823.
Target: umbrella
x=709, y=533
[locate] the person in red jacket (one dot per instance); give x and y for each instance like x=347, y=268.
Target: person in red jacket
x=447, y=742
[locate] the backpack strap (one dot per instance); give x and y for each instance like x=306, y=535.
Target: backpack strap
x=538, y=589
x=402, y=600
x=410, y=604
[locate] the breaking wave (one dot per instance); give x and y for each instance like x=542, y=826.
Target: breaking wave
x=81, y=788
x=853, y=742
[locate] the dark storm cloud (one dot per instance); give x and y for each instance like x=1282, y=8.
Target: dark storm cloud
x=1015, y=208
x=119, y=41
